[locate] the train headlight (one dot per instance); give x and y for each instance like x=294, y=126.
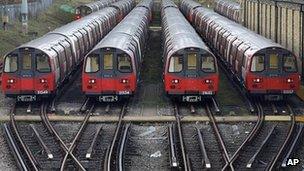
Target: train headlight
x=257, y=80
x=92, y=81
x=124, y=81
x=10, y=81
x=289, y=80
x=175, y=81
x=43, y=80
x=208, y=81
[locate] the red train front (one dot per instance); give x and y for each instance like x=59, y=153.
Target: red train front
x=273, y=72
x=109, y=73
x=27, y=75
x=111, y=69
x=190, y=70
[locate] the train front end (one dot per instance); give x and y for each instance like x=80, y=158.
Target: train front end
x=27, y=75
x=191, y=75
x=109, y=75
x=273, y=73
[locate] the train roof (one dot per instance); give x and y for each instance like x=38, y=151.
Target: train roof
x=168, y=3
x=231, y=4
x=179, y=32
x=125, y=32
x=146, y=3
x=256, y=41
x=99, y=4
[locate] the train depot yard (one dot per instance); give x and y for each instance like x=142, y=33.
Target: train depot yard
x=152, y=85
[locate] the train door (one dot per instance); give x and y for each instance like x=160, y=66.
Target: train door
x=26, y=69
x=191, y=68
x=108, y=72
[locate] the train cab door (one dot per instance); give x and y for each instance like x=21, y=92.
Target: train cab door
x=26, y=70
x=273, y=67
x=190, y=63
x=108, y=72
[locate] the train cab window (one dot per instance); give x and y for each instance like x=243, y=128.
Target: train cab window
x=273, y=61
x=176, y=64
x=191, y=61
x=124, y=63
x=42, y=63
x=27, y=61
x=92, y=63
x=11, y=64
x=289, y=64
x=108, y=61
x=208, y=64
x=257, y=64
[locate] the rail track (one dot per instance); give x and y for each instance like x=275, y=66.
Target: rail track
x=265, y=144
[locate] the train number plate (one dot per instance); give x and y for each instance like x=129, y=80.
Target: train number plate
x=43, y=92
x=207, y=93
x=287, y=91
x=124, y=92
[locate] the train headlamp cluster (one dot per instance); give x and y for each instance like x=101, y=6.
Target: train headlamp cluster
x=208, y=81
x=175, y=81
x=43, y=80
x=289, y=80
x=124, y=81
x=257, y=80
x=10, y=81
x=92, y=81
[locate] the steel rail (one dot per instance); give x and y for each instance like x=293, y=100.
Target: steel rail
x=90, y=149
x=16, y=152
x=76, y=138
x=52, y=130
x=206, y=160
x=293, y=145
x=122, y=148
x=172, y=146
x=110, y=152
x=252, y=134
x=287, y=140
x=180, y=135
x=219, y=137
x=32, y=161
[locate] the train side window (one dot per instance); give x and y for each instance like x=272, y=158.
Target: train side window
x=42, y=63
x=208, y=64
x=108, y=61
x=92, y=64
x=124, y=63
x=257, y=64
x=273, y=61
x=289, y=64
x=191, y=60
x=176, y=64
x=11, y=64
x=27, y=61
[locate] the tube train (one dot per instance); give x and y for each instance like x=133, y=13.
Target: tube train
x=190, y=69
x=111, y=69
x=263, y=67
x=86, y=9
x=38, y=68
x=229, y=9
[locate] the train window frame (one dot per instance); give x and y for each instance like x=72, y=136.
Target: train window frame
x=5, y=63
x=103, y=60
x=251, y=62
x=180, y=57
x=36, y=63
x=295, y=63
x=195, y=55
x=23, y=59
x=98, y=64
x=277, y=63
x=130, y=60
x=214, y=64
